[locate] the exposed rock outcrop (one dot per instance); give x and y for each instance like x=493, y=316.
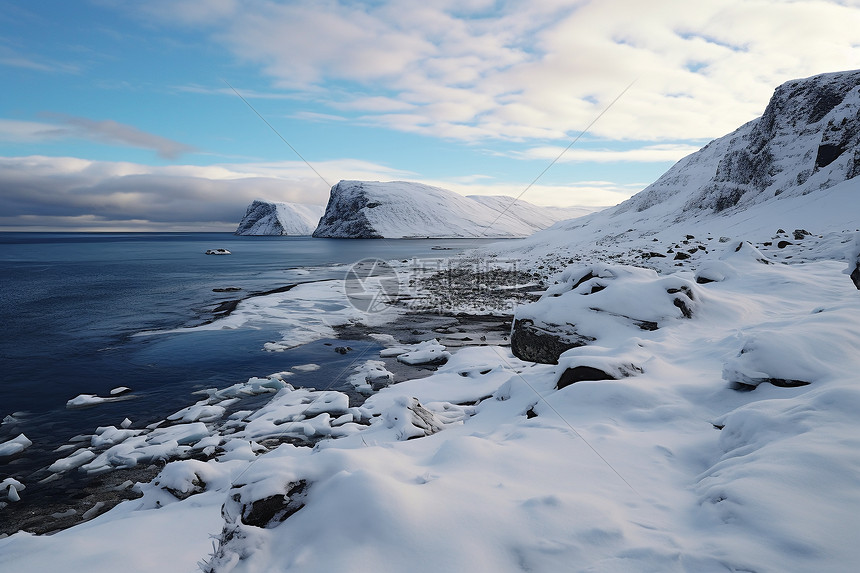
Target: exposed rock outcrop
x=806, y=139
x=271, y=218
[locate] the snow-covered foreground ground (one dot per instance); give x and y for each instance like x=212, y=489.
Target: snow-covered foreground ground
x=667, y=469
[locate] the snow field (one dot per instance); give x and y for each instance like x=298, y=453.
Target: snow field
x=452, y=472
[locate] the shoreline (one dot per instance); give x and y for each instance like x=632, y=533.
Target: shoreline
x=85, y=496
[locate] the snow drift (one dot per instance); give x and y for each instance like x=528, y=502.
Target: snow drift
x=270, y=218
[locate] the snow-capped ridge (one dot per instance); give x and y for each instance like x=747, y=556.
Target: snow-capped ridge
x=803, y=142
x=402, y=209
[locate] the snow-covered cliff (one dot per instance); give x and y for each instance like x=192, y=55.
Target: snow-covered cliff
x=399, y=209
x=794, y=167
x=806, y=140
x=270, y=218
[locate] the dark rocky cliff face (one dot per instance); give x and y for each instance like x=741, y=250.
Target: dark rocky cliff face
x=807, y=114
x=808, y=138
x=344, y=215
x=257, y=211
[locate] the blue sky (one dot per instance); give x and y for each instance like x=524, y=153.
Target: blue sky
x=116, y=114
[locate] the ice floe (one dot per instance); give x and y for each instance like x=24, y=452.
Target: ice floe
x=14, y=446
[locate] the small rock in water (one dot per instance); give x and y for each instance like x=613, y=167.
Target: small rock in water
x=343, y=349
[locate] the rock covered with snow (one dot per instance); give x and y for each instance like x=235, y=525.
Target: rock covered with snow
x=853, y=257
x=400, y=209
x=279, y=218
x=598, y=301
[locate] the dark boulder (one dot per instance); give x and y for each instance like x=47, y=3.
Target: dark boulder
x=271, y=511
x=534, y=344
x=580, y=374
x=749, y=385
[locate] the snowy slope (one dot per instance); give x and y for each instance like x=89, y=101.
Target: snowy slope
x=271, y=218
x=399, y=209
x=533, y=215
x=794, y=167
x=489, y=465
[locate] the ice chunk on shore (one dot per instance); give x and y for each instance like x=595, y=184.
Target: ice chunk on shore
x=201, y=411
x=76, y=460
x=110, y=435
x=15, y=446
x=12, y=487
x=183, y=434
x=427, y=352
x=87, y=400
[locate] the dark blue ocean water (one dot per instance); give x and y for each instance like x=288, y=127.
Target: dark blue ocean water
x=72, y=303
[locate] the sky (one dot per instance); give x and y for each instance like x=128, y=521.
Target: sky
x=173, y=115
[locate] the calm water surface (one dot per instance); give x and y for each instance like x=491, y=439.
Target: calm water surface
x=72, y=303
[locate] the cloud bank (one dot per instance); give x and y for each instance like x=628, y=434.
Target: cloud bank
x=54, y=193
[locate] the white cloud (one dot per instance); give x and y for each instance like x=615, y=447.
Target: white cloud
x=645, y=154
x=14, y=59
x=544, y=68
x=104, y=131
x=24, y=131
x=320, y=117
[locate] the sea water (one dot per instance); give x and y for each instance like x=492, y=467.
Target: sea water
x=73, y=306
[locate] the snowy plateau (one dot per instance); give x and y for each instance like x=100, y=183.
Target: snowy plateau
x=270, y=218
x=402, y=209
x=680, y=395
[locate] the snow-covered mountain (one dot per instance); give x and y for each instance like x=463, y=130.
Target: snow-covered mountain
x=529, y=213
x=271, y=218
x=400, y=209
x=794, y=167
